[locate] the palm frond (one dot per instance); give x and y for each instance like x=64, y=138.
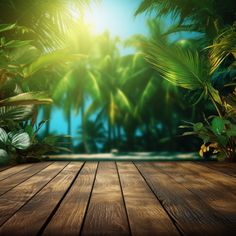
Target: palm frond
x=6, y=27
x=223, y=46
x=122, y=101
x=16, y=113
x=147, y=93
x=94, y=86
x=179, y=66
x=49, y=59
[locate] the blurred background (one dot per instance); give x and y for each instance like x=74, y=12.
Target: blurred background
x=107, y=93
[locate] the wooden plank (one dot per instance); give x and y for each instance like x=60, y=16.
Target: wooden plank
x=214, y=195
x=146, y=215
x=224, y=167
x=29, y=220
x=14, y=199
x=106, y=213
x=191, y=214
x=2, y=168
x=228, y=182
x=13, y=170
x=69, y=217
x=14, y=180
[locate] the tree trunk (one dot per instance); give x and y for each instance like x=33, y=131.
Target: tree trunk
x=47, y=116
x=69, y=122
x=109, y=141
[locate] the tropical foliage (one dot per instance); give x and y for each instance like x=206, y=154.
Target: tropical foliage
x=134, y=102
x=202, y=72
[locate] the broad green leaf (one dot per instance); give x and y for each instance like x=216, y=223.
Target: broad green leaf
x=24, y=55
x=3, y=136
x=30, y=98
x=20, y=141
x=218, y=125
x=3, y=157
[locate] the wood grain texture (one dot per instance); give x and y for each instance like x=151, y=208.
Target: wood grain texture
x=2, y=168
x=223, y=202
x=117, y=199
x=224, y=167
x=191, y=214
x=219, y=178
x=146, y=215
x=13, y=170
x=69, y=217
x=106, y=212
x=14, y=180
x=13, y=200
x=32, y=216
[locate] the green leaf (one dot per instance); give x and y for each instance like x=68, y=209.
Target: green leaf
x=123, y=101
x=30, y=98
x=6, y=27
x=20, y=140
x=198, y=126
x=214, y=94
x=94, y=85
x=3, y=136
x=217, y=125
x=205, y=137
x=29, y=130
x=112, y=109
x=148, y=93
x=17, y=43
x=222, y=140
x=3, y=157
x=231, y=131
x=188, y=133
x=49, y=59
x=223, y=46
x=15, y=112
x=182, y=67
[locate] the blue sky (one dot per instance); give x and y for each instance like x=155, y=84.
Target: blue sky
x=118, y=17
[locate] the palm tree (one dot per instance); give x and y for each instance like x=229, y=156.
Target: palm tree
x=112, y=101
x=45, y=21
x=205, y=16
x=93, y=136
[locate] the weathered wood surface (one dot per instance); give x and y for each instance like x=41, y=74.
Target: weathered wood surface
x=118, y=198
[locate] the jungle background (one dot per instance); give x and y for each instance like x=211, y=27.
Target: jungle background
x=181, y=75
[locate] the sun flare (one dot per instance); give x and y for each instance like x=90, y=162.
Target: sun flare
x=98, y=18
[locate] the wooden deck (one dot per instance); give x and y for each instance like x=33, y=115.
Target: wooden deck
x=118, y=198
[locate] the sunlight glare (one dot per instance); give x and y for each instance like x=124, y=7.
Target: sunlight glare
x=98, y=18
